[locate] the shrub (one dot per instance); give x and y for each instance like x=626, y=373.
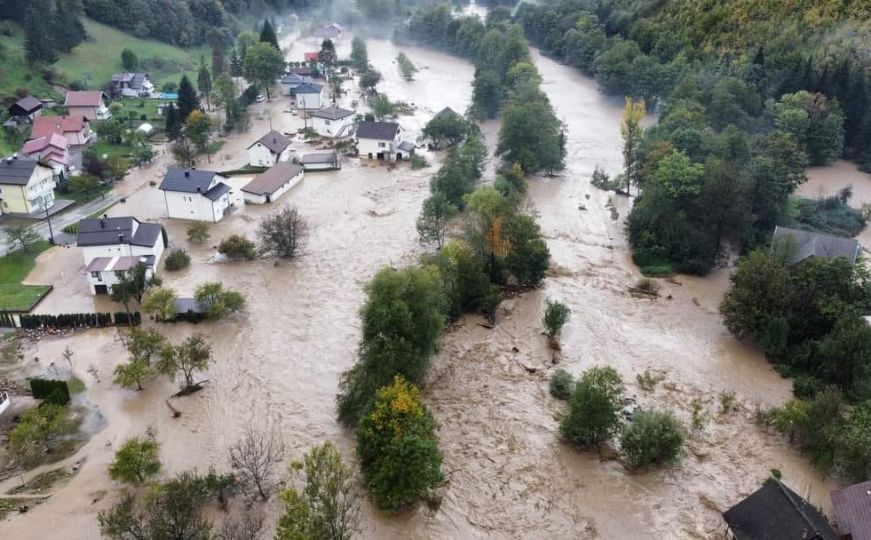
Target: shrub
x=237, y=246
x=217, y=301
x=282, y=233
x=51, y=390
x=136, y=461
x=594, y=407
x=653, y=437
x=198, y=232
x=561, y=383
x=397, y=446
x=418, y=162
x=177, y=259
x=556, y=314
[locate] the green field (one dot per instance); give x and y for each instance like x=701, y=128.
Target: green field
x=14, y=268
x=97, y=59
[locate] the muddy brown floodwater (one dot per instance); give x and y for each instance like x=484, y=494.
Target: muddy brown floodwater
x=508, y=476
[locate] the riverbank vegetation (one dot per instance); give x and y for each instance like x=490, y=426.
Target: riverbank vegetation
x=745, y=102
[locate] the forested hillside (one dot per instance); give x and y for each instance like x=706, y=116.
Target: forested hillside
x=749, y=93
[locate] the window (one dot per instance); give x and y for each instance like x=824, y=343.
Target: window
x=327, y=122
x=95, y=275
x=119, y=274
x=382, y=145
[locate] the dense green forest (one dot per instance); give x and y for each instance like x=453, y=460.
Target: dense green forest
x=748, y=93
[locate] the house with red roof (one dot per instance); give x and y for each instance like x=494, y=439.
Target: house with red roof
x=75, y=128
x=90, y=104
x=53, y=150
x=314, y=56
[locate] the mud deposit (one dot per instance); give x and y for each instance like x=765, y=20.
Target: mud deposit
x=508, y=476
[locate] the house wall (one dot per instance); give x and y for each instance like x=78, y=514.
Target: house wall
x=254, y=198
x=28, y=199
x=108, y=278
x=331, y=128
x=260, y=156
x=374, y=147
x=308, y=101
x=92, y=113
x=195, y=207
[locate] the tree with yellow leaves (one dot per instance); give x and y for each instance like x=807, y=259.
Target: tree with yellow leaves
x=397, y=446
x=632, y=131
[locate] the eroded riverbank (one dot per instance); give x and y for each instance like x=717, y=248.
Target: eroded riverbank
x=508, y=475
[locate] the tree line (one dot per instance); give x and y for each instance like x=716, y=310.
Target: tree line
x=742, y=113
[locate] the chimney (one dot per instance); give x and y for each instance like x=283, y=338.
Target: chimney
x=121, y=237
x=105, y=216
x=187, y=174
x=198, y=189
x=102, y=223
x=15, y=155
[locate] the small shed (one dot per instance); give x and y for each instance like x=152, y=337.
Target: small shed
x=272, y=184
x=321, y=161
x=801, y=245
x=852, y=508
x=775, y=512
x=145, y=128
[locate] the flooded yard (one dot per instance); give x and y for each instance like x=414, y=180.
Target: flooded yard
x=508, y=476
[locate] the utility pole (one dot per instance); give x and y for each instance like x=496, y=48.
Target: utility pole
x=48, y=218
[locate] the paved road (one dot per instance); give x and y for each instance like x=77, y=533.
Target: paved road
x=73, y=215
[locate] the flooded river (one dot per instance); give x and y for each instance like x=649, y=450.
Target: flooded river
x=507, y=474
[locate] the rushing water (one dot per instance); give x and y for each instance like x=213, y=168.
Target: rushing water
x=507, y=474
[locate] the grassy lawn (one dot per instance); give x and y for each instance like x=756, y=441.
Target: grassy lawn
x=140, y=106
x=96, y=60
x=14, y=267
x=82, y=197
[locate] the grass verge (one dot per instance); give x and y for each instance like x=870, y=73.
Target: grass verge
x=14, y=268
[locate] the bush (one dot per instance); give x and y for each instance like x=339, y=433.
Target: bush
x=556, y=314
x=237, y=246
x=282, y=233
x=177, y=259
x=52, y=390
x=198, y=232
x=561, y=383
x=418, y=162
x=397, y=446
x=653, y=437
x=594, y=407
x=67, y=320
x=217, y=301
x=123, y=319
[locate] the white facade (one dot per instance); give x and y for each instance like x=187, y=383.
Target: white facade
x=308, y=100
x=264, y=198
x=261, y=156
x=333, y=128
x=380, y=148
x=124, y=250
x=101, y=282
x=196, y=206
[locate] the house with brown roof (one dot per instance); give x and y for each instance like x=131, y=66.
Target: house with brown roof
x=88, y=103
x=851, y=507
x=23, y=111
x=76, y=128
x=269, y=150
x=272, y=184
x=53, y=150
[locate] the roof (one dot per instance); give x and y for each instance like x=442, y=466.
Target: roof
x=16, y=171
x=775, y=512
x=319, y=157
x=26, y=105
x=852, y=508
x=810, y=244
x=302, y=70
x=331, y=113
x=217, y=191
x=39, y=144
x=187, y=180
x=117, y=230
x=134, y=80
x=382, y=131
x=118, y=263
x=269, y=181
x=330, y=30
x=446, y=112
x=308, y=88
x=406, y=145
x=274, y=141
x=312, y=56
x=46, y=125
x=85, y=98
x=294, y=78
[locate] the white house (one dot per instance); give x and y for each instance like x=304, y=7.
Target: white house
x=196, y=195
x=383, y=141
x=269, y=150
x=272, y=184
x=331, y=31
x=308, y=96
x=132, y=85
x=111, y=246
x=291, y=81
x=90, y=104
x=332, y=121
x=26, y=186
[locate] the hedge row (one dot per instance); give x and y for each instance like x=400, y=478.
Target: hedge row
x=51, y=390
x=79, y=320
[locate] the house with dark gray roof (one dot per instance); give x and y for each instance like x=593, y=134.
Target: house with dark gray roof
x=197, y=195
x=333, y=121
x=851, y=507
x=308, y=96
x=291, y=81
x=269, y=150
x=382, y=141
x=114, y=245
x=26, y=186
x=272, y=184
x=24, y=111
x=132, y=85
x=797, y=245
x=775, y=512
